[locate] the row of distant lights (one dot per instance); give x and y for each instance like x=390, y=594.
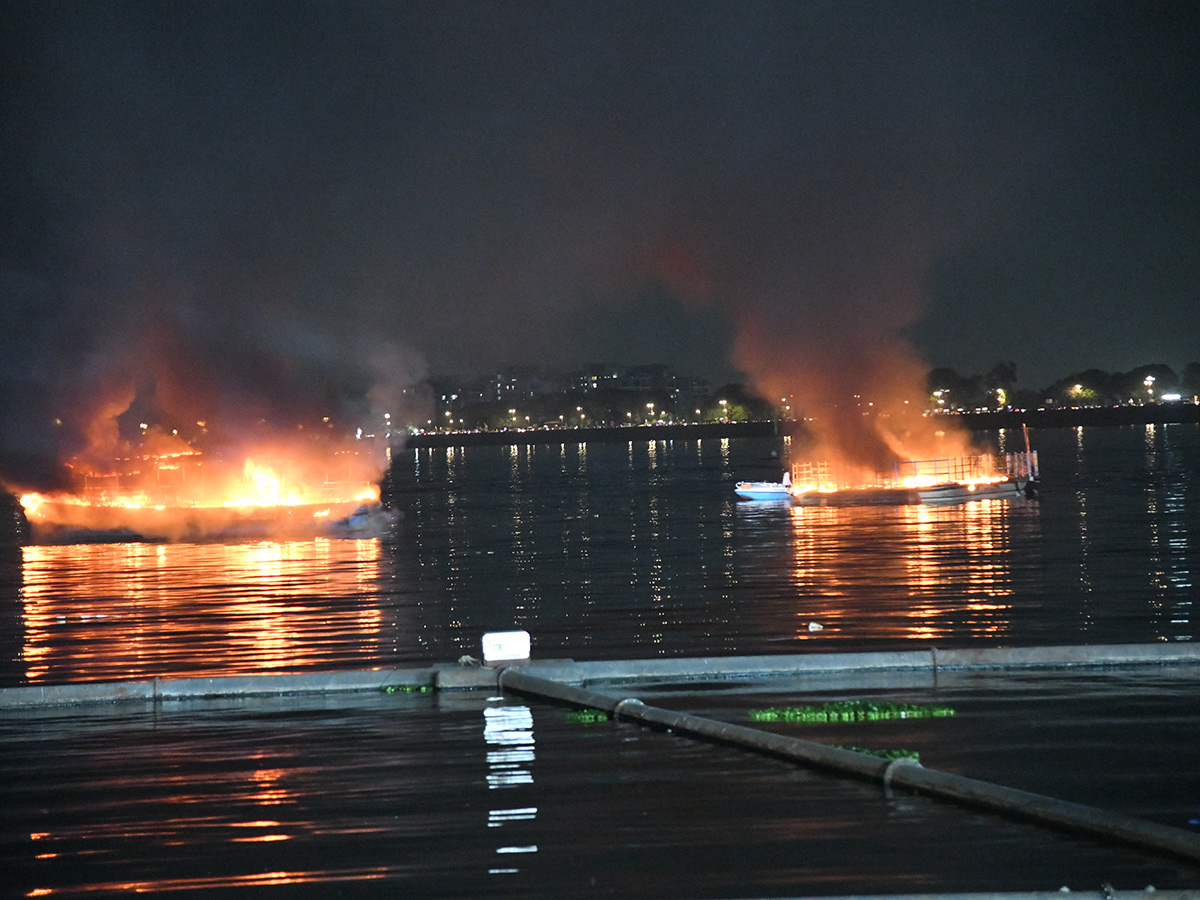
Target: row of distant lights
x=579, y=411
x=1148, y=381
x=1077, y=390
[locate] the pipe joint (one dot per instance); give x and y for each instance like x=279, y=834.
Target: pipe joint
x=890, y=770
x=636, y=708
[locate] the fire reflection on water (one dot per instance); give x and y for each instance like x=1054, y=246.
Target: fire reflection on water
x=104, y=611
x=927, y=572
x=222, y=882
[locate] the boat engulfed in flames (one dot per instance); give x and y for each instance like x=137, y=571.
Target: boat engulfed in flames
x=187, y=498
x=1007, y=476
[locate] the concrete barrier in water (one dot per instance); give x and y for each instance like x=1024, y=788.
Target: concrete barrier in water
x=169, y=689
x=449, y=676
x=930, y=660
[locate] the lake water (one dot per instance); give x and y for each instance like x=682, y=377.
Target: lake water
x=605, y=551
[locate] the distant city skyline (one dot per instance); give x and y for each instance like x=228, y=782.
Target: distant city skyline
x=566, y=377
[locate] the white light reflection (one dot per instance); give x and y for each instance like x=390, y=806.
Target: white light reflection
x=1168, y=533
x=509, y=729
x=498, y=817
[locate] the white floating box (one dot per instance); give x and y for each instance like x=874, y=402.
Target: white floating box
x=505, y=646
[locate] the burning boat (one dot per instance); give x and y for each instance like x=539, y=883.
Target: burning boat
x=185, y=496
x=933, y=481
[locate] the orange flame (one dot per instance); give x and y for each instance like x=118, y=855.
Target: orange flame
x=184, y=495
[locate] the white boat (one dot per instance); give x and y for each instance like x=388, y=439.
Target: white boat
x=765, y=490
x=366, y=521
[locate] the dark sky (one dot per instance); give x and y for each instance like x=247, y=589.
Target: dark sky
x=274, y=206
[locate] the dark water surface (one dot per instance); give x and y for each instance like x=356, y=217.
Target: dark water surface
x=469, y=796
x=607, y=551
x=612, y=551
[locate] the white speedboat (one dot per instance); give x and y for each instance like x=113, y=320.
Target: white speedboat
x=366, y=521
x=765, y=490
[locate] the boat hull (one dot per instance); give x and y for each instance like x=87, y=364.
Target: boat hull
x=858, y=497
x=762, y=490
x=945, y=494
x=71, y=523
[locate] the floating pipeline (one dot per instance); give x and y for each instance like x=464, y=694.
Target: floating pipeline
x=900, y=773
x=849, y=711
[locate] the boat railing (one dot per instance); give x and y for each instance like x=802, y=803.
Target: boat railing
x=1021, y=465
x=813, y=475
x=947, y=469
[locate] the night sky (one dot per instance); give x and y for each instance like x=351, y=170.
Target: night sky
x=275, y=209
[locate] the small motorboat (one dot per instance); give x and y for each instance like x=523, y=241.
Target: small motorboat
x=366, y=521
x=765, y=490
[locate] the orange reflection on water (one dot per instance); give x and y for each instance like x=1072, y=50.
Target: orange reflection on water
x=261, y=839
x=218, y=882
x=913, y=572
x=963, y=548
x=107, y=611
x=267, y=787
